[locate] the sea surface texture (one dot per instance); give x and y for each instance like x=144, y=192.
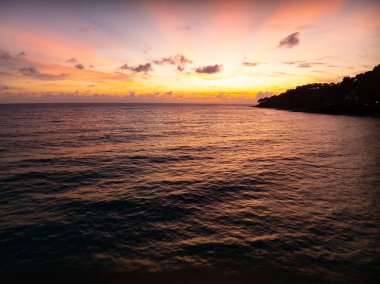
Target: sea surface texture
x=106, y=190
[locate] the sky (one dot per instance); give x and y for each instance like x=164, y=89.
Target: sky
x=210, y=51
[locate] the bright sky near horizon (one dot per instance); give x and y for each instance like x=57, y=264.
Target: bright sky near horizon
x=210, y=51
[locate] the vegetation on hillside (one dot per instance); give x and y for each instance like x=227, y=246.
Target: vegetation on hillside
x=353, y=95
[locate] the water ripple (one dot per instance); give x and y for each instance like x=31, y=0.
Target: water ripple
x=134, y=190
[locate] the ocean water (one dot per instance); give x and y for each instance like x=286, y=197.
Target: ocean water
x=188, y=193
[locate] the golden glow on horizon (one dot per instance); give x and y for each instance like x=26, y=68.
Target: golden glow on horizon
x=233, y=48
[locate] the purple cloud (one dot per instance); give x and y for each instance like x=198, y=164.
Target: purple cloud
x=290, y=41
x=179, y=60
x=210, y=69
x=145, y=68
x=5, y=55
x=79, y=66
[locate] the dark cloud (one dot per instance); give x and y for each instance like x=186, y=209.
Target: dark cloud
x=29, y=71
x=179, y=60
x=33, y=72
x=72, y=60
x=76, y=63
x=79, y=66
x=290, y=41
x=5, y=55
x=145, y=68
x=210, y=69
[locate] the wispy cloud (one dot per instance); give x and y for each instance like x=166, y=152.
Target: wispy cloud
x=87, y=28
x=34, y=73
x=250, y=64
x=4, y=88
x=305, y=26
x=72, y=60
x=147, y=50
x=291, y=62
x=186, y=27
x=210, y=69
x=290, y=41
x=309, y=64
x=303, y=63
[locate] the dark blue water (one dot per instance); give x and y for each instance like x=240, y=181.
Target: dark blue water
x=118, y=192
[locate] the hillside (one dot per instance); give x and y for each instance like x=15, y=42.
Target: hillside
x=359, y=95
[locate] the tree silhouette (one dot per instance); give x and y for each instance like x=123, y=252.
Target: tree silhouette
x=353, y=95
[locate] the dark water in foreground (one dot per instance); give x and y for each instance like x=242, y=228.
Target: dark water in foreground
x=163, y=192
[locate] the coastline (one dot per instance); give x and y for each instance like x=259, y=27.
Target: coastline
x=307, y=110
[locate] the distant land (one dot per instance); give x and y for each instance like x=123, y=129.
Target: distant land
x=359, y=95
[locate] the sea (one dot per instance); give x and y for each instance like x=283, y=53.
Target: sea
x=182, y=193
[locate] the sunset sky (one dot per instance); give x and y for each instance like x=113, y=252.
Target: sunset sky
x=180, y=51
